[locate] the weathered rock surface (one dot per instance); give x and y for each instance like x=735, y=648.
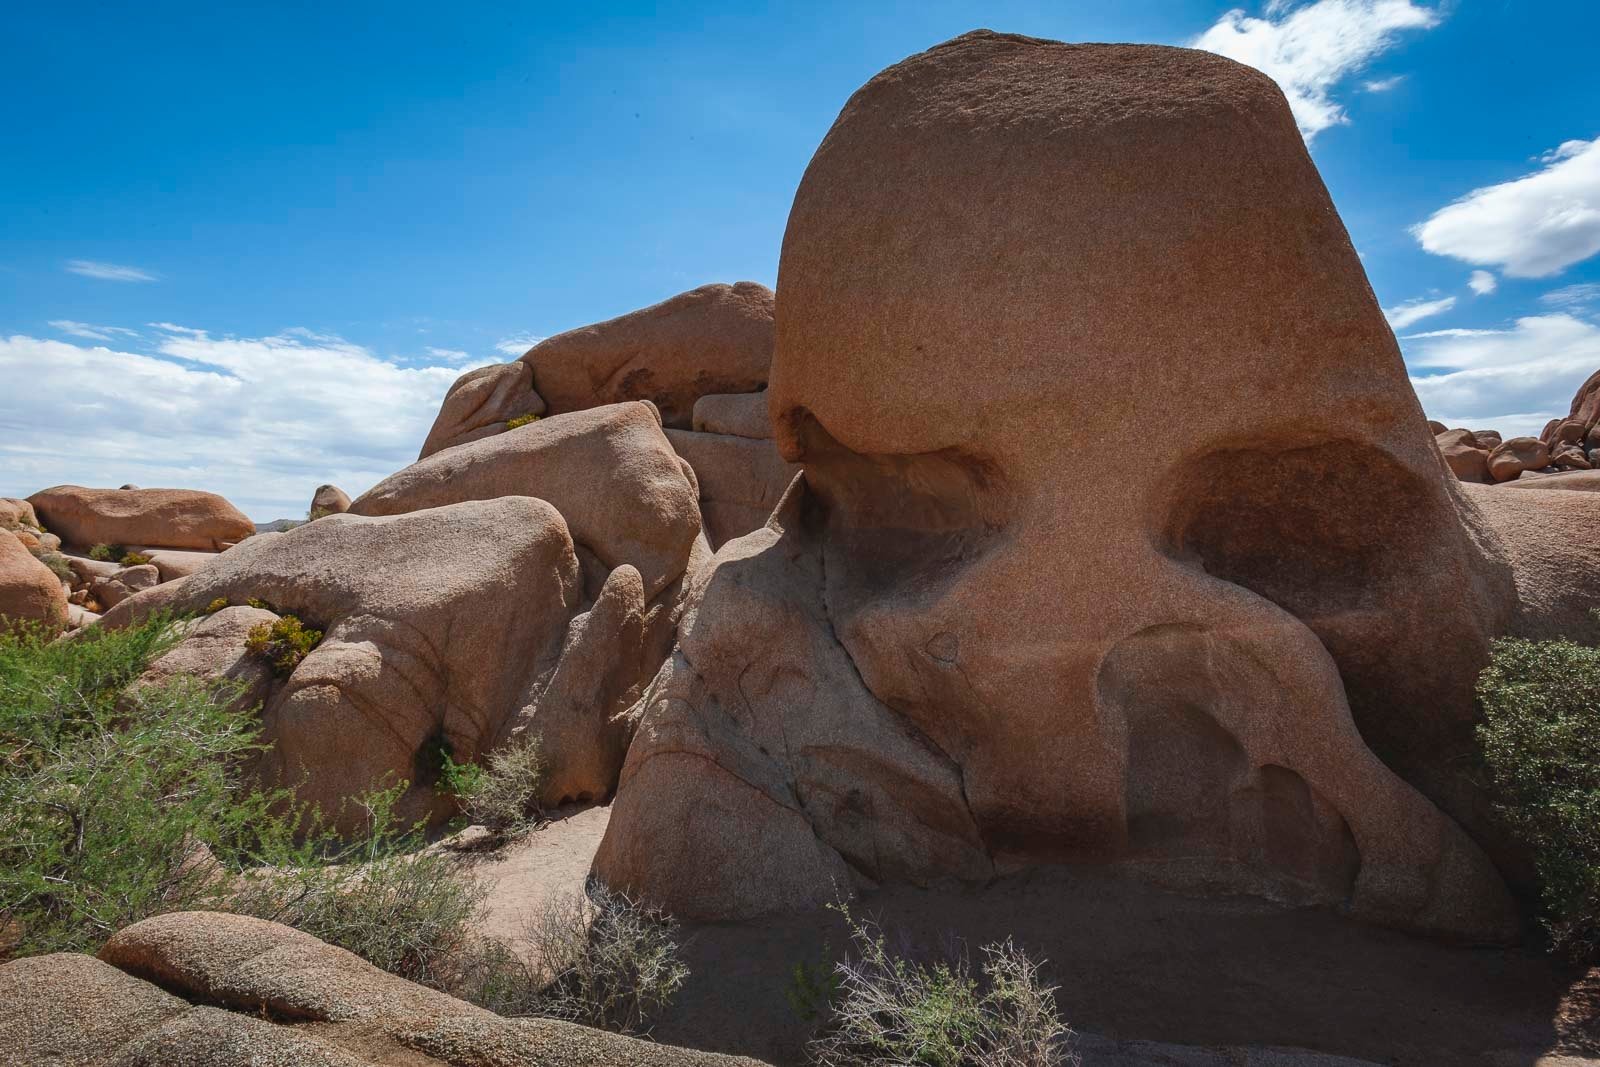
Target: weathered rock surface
x=29, y=591
x=739, y=479
x=173, y=563
x=327, y=1007
x=14, y=513
x=114, y=589
x=610, y=472
x=329, y=500
x=740, y=414
x=445, y=626
x=714, y=339
x=167, y=518
x=956, y=648
x=480, y=403
x=1467, y=458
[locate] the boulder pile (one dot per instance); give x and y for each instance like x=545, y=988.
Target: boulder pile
x=1554, y=459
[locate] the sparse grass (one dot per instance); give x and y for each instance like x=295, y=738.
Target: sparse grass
x=520, y=420
x=283, y=643
x=1541, y=743
x=891, y=1011
x=504, y=794
x=57, y=563
x=107, y=553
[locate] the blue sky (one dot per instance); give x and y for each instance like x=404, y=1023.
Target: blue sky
x=247, y=247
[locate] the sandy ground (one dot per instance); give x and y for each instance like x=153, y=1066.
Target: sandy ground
x=1133, y=963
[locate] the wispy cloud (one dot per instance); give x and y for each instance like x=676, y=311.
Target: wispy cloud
x=1513, y=380
x=91, y=332
x=449, y=355
x=1413, y=311
x=1573, y=296
x=1482, y=282
x=108, y=272
x=1530, y=227
x=517, y=344
x=1310, y=50
x=263, y=421
x=1382, y=85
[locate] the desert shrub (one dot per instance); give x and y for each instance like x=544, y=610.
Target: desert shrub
x=891, y=1011
x=216, y=605
x=107, y=553
x=605, y=960
x=378, y=893
x=520, y=420
x=134, y=559
x=503, y=795
x=317, y=513
x=58, y=565
x=257, y=602
x=283, y=643
x=1540, y=736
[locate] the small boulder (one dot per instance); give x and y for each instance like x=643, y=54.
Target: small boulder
x=1488, y=438
x=479, y=405
x=329, y=500
x=15, y=513
x=125, y=583
x=1436, y=427
x=737, y=414
x=714, y=339
x=1511, y=458
x=1570, y=457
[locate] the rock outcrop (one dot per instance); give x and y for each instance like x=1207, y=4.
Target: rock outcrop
x=29, y=592
x=164, y=518
x=203, y=989
x=739, y=480
x=957, y=647
x=714, y=339
x=329, y=500
x=480, y=403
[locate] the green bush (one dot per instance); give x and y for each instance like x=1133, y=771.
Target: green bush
x=134, y=559
x=58, y=565
x=1541, y=743
x=892, y=1012
x=520, y=420
x=504, y=795
x=216, y=605
x=317, y=513
x=282, y=643
x=605, y=960
x=107, y=553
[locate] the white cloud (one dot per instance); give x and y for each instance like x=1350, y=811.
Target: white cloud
x=91, y=332
x=167, y=327
x=1531, y=227
x=518, y=344
x=1413, y=311
x=1513, y=380
x=1310, y=50
x=449, y=355
x=1383, y=85
x=263, y=421
x=1573, y=296
x=1483, y=282
x=108, y=272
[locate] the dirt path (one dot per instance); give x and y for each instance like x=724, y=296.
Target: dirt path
x=1133, y=962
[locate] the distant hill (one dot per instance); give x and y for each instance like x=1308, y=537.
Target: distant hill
x=277, y=525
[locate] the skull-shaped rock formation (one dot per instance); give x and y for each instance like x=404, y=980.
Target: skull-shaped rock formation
x=971, y=638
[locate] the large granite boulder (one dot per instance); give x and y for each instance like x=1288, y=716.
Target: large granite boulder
x=203, y=989
x=480, y=403
x=714, y=339
x=163, y=518
x=963, y=643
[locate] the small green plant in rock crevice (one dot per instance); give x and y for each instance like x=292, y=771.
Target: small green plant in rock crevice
x=521, y=420
x=283, y=643
x=502, y=795
x=133, y=559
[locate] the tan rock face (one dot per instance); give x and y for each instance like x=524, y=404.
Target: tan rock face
x=165, y=518
x=443, y=627
x=959, y=649
x=248, y=988
x=1467, y=459
x=1511, y=458
x=329, y=500
x=14, y=513
x=740, y=480
x=29, y=592
x=714, y=339
x=739, y=414
x=480, y=403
